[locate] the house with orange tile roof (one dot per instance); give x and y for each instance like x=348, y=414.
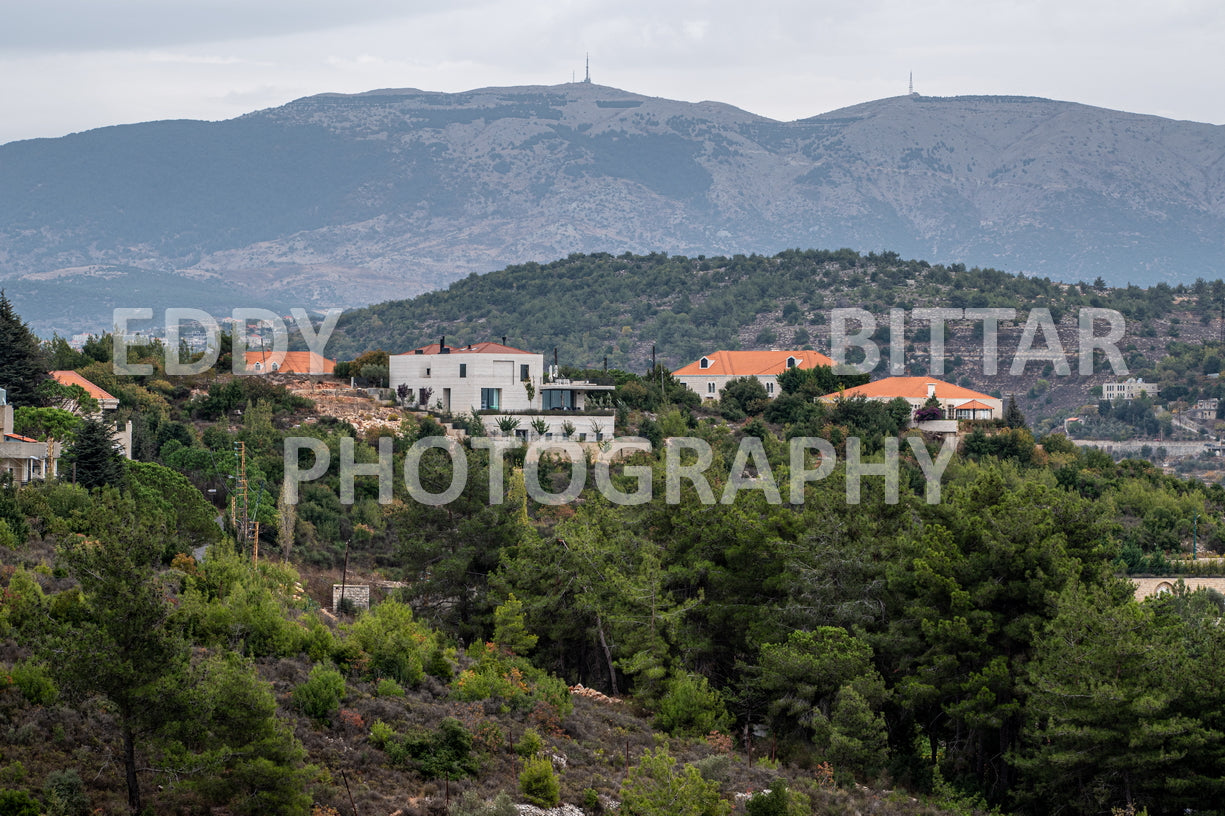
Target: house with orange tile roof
x=707, y=375
x=956, y=402
x=106, y=402
x=288, y=362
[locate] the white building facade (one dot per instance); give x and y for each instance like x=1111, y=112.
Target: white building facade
x=1128, y=389
x=493, y=381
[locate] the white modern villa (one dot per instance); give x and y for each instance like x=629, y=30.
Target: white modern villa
x=494, y=380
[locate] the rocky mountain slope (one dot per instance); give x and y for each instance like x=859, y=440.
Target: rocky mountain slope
x=341, y=200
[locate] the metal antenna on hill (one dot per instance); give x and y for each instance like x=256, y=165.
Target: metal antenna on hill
x=240, y=512
x=912, y=83
x=587, y=78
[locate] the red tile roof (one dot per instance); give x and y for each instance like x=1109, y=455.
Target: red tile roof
x=292, y=362
x=752, y=363
x=973, y=405
x=474, y=348
x=911, y=388
x=73, y=378
x=19, y=438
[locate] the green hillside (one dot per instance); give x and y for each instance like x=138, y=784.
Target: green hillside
x=603, y=308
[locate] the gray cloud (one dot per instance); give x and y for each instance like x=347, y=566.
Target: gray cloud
x=68, y=65
x=92, y=25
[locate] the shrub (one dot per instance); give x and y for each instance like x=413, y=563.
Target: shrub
x=690, y=707
x=388, y=688
x=319, y=697
x=529, y=744
x=774, y=803
x=65, y=794
x=655, y=788
x=18, y=803
x=497, y=674
x=397, y=644
x=35, y=683
x=539, y=784
x=470, y=804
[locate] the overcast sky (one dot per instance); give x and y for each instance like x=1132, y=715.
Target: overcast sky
x=71, y=65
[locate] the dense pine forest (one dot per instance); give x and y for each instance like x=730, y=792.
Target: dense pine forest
x=976, y=650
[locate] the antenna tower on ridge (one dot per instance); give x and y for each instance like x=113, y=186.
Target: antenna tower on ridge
x=912, y=83
x=587, y=78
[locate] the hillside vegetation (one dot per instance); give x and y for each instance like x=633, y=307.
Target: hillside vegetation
x=597, y=308
x=966, y=643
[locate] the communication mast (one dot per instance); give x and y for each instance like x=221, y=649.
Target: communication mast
x=246, y=528
x=587, y=78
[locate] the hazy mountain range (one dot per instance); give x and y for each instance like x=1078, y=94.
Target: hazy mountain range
x=343, y=200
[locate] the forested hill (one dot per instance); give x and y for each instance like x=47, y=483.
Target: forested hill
x=592, y=307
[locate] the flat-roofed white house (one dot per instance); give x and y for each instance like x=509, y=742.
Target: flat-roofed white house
x=1129, y=389
x=707, y=375
x=495, y=380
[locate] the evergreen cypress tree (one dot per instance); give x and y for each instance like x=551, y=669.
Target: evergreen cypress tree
x=1013, y=417
x=22, y=365
x=95, y=454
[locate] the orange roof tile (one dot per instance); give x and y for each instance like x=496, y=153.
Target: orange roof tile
x=973, y=405
x=752, y=363
x=291, y=362
x=911, y=388
x=473, y=348
x=19, y=438
x=73, y=378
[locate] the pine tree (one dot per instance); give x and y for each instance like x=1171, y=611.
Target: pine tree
x=22, y=365
x=95, y=454
x=1013, y=418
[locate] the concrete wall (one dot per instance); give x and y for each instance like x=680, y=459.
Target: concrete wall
x=587, y=427
x=356, y=594
x=1134, y=446
x=1147, y=587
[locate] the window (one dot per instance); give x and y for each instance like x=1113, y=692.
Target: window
x=704, y=363
x=427, y=371
x=491, y=399
x=790, y=362
x=710, y=388
x=463, y=369
x=770, y=388
x=525, y=372
x=558, y=399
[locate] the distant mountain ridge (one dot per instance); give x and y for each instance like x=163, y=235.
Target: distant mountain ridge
x=343, y=200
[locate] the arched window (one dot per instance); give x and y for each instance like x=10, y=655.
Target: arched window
x=704, y=363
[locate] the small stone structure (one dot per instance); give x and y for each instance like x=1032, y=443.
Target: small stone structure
x=356, y=594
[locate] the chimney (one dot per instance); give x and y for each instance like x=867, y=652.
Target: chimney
x=931, y=390
x=6, y=411
x=503, y=339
